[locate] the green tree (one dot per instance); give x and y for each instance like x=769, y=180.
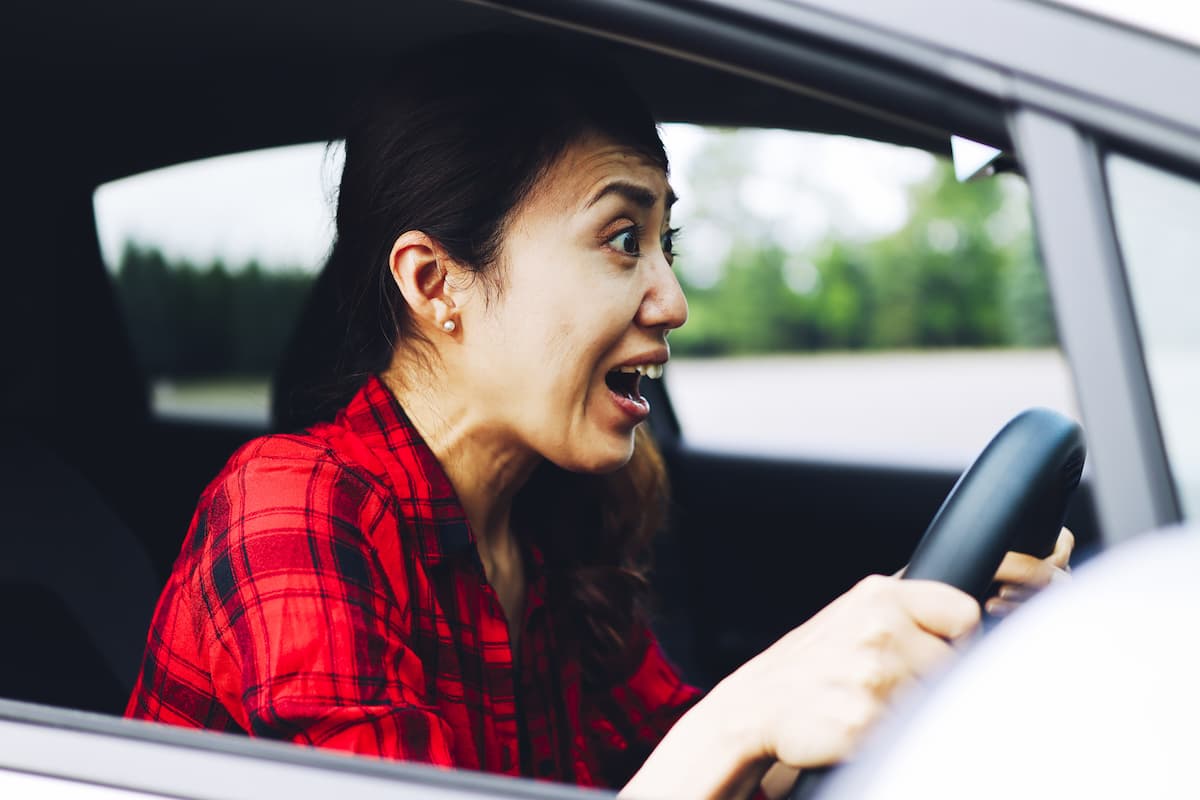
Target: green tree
x=188, y=321
x=961, y=272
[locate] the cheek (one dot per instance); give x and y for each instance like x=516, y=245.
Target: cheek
x=560, y=319
x=590, y=331
x=533, y=345
x=572, y=347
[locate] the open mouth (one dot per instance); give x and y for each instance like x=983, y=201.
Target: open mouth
x=624, y=384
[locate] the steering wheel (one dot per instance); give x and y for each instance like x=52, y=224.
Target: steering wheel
x=1014, y=497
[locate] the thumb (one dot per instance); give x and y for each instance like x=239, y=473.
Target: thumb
x=939, y=608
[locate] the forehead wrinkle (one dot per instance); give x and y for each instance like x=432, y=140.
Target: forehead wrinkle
x=635, y=193
x=577, y=176
x=621, y=167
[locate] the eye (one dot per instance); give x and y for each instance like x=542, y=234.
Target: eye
x=668, y=242
x=625, y=242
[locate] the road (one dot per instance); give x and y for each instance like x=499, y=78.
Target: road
x=908, y=408
x=937, y=409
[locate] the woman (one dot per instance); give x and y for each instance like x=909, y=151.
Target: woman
x=450, y=570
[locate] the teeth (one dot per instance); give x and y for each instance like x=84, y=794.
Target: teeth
x=654, y=371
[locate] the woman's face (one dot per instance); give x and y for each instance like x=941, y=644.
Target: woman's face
x=587, y=298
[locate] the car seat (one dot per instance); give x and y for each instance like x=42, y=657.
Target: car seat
x=304, y=389
x=76, y=588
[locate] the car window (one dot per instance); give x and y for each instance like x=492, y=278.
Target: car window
x=852, y=300
x=212, y=261
x=1156, y=214
x=849, y=299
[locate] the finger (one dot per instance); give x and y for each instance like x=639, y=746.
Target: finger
x=923, y=652
x=1061, y=557
x=938, y=608
x=1014, y=594
x=904, y=654
x=997, y=607
x=1025, y=570
x=1019, y=593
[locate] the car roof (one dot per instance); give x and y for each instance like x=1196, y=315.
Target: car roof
x=138, y=85
x=219, y=77
x=1169, y=18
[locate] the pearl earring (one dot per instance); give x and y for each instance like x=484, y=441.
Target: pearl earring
x=448, y=326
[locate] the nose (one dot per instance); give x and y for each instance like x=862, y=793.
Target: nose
x=664, y=305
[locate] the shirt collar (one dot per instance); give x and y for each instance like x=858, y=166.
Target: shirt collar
x=421, y=487
x=420, y=484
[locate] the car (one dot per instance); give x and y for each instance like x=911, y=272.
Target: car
x=100, y=480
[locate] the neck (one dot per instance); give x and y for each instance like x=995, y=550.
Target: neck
x=485, y=465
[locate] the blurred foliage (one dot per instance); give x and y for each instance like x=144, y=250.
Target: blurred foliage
x=962, y=272
x=190, y=321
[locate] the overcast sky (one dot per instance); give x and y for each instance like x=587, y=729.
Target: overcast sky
x=271, y=205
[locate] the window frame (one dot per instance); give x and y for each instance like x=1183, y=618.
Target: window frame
x=158, y=760
x=1182, y=170
x=1134, y=488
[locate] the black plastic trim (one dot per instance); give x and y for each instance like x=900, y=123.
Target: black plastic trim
x=922, y=60
x=869, y=82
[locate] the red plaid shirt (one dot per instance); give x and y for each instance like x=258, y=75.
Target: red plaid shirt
x=329, y=593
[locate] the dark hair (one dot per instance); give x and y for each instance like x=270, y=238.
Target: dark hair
x=453, y=146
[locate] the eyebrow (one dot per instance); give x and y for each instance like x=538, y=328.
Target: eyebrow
x=635, y=193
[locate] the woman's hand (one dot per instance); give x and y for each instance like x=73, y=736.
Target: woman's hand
x=808, y=699
x=819, y=688
x=1022, y=576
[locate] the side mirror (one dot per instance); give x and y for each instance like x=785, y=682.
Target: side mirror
x=973, y=159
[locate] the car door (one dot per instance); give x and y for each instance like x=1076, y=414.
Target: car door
x=49, y=752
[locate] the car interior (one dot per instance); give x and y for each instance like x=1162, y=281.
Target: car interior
x=99, y=490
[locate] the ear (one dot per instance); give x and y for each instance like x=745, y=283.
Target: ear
x=419, y=266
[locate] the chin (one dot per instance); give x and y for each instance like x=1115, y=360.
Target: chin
x=597, y=457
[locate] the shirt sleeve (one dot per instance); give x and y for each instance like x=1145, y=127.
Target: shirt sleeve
x=633, y=717
x=626, y=722
x=305, y=636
